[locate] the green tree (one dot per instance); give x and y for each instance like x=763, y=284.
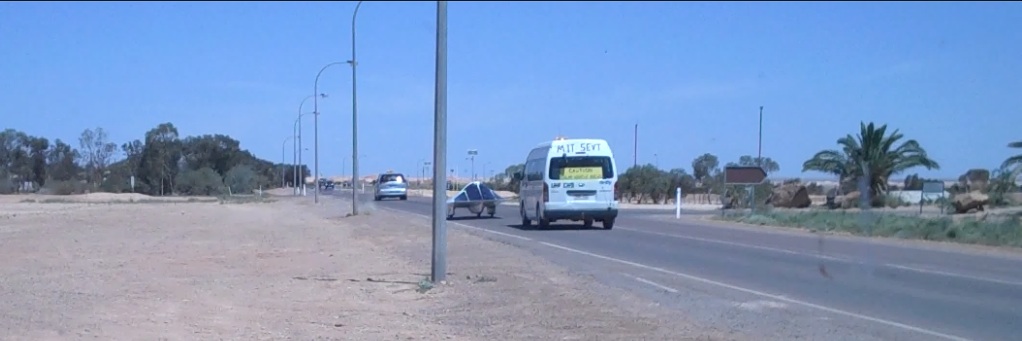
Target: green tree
x=60, y=160
x=96, y=153
x=37, y=148
x=507, y=180
x=873, y=149
x=705, y=170
x=158, y=166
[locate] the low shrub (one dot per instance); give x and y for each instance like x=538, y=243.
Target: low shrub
x=1003, y=231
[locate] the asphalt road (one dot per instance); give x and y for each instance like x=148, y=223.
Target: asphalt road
x=869, y=289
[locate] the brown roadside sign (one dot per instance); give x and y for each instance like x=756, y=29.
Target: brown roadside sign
x=744, y=175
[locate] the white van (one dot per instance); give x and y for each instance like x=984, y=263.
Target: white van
x=569, y=179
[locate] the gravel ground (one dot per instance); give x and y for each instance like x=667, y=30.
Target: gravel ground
x=257, y=271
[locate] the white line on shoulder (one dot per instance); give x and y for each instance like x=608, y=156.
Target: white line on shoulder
x=764, y=294
x=465, y=226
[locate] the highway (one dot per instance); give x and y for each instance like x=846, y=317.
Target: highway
x=785, y=285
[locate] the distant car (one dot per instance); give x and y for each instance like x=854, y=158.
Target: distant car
x=391, y=185
x=326, y=184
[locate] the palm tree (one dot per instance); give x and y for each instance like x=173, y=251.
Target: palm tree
x=1013, y=161
x=882, y=154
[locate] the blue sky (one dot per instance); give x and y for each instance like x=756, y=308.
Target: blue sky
x=691, y=74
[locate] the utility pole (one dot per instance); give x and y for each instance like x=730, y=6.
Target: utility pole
x=354, y=115
x=759, y=154
x=635, y=147
x=439, y=269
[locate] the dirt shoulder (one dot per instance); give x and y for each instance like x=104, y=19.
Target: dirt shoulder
x=259, y=271
x=502, y=292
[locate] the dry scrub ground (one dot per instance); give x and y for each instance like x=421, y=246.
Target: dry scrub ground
x=259, y=271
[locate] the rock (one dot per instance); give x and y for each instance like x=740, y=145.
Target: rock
x=790, y=196
x=977, y=179
x=832, y=197
x=965, y=202
x=729, y=201
x=851, y=200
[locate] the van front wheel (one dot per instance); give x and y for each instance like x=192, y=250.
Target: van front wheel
x=541, y=221
x=526, y=222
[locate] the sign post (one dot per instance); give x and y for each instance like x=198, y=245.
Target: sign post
x=930, y=187
x=472, y=156
x=742, y=175
x=677, y=203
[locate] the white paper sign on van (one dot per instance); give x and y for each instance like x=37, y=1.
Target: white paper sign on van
x=580, y=147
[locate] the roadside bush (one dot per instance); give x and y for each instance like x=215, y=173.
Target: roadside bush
x=7, y=186
x=894, y=201
x=116, y=183
x=57, y=187
x=241, y=179
x=1002, y=231
x=204, y=181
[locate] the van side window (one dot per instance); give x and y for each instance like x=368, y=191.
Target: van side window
x=534, y=170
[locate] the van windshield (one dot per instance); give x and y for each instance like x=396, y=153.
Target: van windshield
x=581, y=168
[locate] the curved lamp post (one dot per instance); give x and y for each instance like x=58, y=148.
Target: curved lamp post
x=298, y=148
x=296, y=158
x=354, y=113
x=315, y=117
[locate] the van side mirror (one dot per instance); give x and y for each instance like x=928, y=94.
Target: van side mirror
x=517, y=176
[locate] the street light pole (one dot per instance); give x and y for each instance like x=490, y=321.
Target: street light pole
x=438, y=271
x=302, y=178
x=294, y=156
x=315, y=117
x=354, y=112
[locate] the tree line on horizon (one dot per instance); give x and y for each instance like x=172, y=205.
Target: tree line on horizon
x=873, y=151
x=162, y=163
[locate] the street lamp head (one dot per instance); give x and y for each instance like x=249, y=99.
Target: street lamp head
x=322, y=95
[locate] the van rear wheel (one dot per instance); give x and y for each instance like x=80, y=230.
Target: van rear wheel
x=587, y=222
x=608, y=223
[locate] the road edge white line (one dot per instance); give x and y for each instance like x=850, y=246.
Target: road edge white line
x=724, y=242
x=831, y=258
x=951, y=274
x=763, y=294
x=464, y=225
x=654, y=284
